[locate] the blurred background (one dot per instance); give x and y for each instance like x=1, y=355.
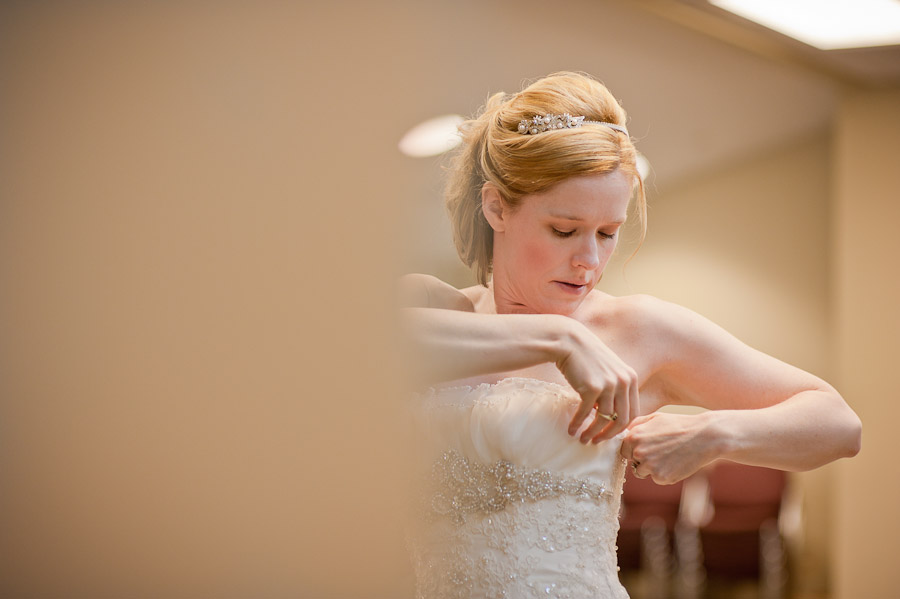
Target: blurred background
x=203, y=208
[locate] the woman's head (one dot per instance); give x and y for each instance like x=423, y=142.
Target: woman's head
x=551, y=249
x=516, y=165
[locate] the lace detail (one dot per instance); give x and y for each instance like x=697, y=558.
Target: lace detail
x=561, y=547
x=511, y=506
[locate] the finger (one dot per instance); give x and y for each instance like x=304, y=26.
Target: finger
x=622, y=410
x=602, y=432
x=604, y=402
x=640, y=420
x=639, y=469
x=601, y=421
x=627, y=448
x=626, y=404
x=607, y=431
x=634, y=401
x=584, y=410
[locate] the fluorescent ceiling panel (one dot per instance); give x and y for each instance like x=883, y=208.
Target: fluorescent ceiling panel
x=825, y=24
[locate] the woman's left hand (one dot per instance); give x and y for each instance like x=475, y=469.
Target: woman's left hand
x=669, y=447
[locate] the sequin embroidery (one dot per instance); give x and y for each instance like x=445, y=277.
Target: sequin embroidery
x=463, y=487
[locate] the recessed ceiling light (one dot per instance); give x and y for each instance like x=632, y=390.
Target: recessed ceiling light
x=825, y=24
x=432, y=137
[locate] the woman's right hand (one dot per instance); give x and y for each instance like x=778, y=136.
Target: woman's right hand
x=603, y=381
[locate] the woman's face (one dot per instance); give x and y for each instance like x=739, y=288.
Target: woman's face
x=551, y=250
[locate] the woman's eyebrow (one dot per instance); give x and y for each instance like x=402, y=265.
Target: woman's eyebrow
x=579, y=219
x=562, y=216
x=565, y=216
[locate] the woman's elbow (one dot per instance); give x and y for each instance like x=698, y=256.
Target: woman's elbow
x=852, y=434
x=846, y=427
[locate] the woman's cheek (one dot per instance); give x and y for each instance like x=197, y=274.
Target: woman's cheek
x=535, y=254
x=605, y=256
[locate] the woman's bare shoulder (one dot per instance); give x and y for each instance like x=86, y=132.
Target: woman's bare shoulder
x=646, y=332
x=662, y=318
x=480, y=296
x=640, y=319
x=603, y=309
x=665, y=332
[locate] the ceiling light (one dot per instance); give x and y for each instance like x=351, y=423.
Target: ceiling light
x=432, y=137
x=825, y=24
x=643, y=166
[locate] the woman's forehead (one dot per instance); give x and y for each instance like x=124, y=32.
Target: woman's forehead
x=586, y=198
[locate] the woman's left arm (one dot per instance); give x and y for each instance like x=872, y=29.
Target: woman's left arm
x=763, y=411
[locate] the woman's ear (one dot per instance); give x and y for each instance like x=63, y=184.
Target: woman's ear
x=493, y=207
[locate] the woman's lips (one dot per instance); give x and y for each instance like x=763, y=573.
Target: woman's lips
x=573, y=288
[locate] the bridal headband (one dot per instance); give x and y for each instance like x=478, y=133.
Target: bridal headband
x=539, y=124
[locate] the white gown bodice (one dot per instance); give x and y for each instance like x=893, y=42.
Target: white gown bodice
x=509, y=505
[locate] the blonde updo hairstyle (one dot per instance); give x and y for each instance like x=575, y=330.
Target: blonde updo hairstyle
x=494, y=151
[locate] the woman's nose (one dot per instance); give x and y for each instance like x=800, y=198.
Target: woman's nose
x=587, y=255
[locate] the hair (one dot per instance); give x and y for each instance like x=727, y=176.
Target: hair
x=494, y=151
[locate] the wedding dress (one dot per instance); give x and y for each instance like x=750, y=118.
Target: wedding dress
x=508, y=504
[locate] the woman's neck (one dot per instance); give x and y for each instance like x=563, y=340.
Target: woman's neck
x=502, y=300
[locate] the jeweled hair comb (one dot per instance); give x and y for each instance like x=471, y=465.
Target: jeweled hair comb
x=539, y=124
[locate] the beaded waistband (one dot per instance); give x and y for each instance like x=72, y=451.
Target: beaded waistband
x=463, y=487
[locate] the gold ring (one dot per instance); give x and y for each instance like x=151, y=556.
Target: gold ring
x=609, y=417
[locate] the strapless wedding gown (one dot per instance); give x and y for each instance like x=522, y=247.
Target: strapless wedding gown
x=507, y=503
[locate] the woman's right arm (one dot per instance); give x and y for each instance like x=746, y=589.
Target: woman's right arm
x=447, y=344
x=450, y=344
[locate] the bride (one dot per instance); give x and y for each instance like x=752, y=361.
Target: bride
x=542, y=387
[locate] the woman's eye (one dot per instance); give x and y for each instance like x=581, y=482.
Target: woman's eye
x=559, y=233
x=603, y=235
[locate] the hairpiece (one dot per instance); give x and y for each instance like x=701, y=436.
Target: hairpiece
x=539, y=124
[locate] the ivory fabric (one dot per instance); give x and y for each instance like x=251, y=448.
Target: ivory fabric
x=507, y=504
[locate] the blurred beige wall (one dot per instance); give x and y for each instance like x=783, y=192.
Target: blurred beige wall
x=866, y=290
x=196, y=256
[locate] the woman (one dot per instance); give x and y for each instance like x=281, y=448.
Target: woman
x=534, y=360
